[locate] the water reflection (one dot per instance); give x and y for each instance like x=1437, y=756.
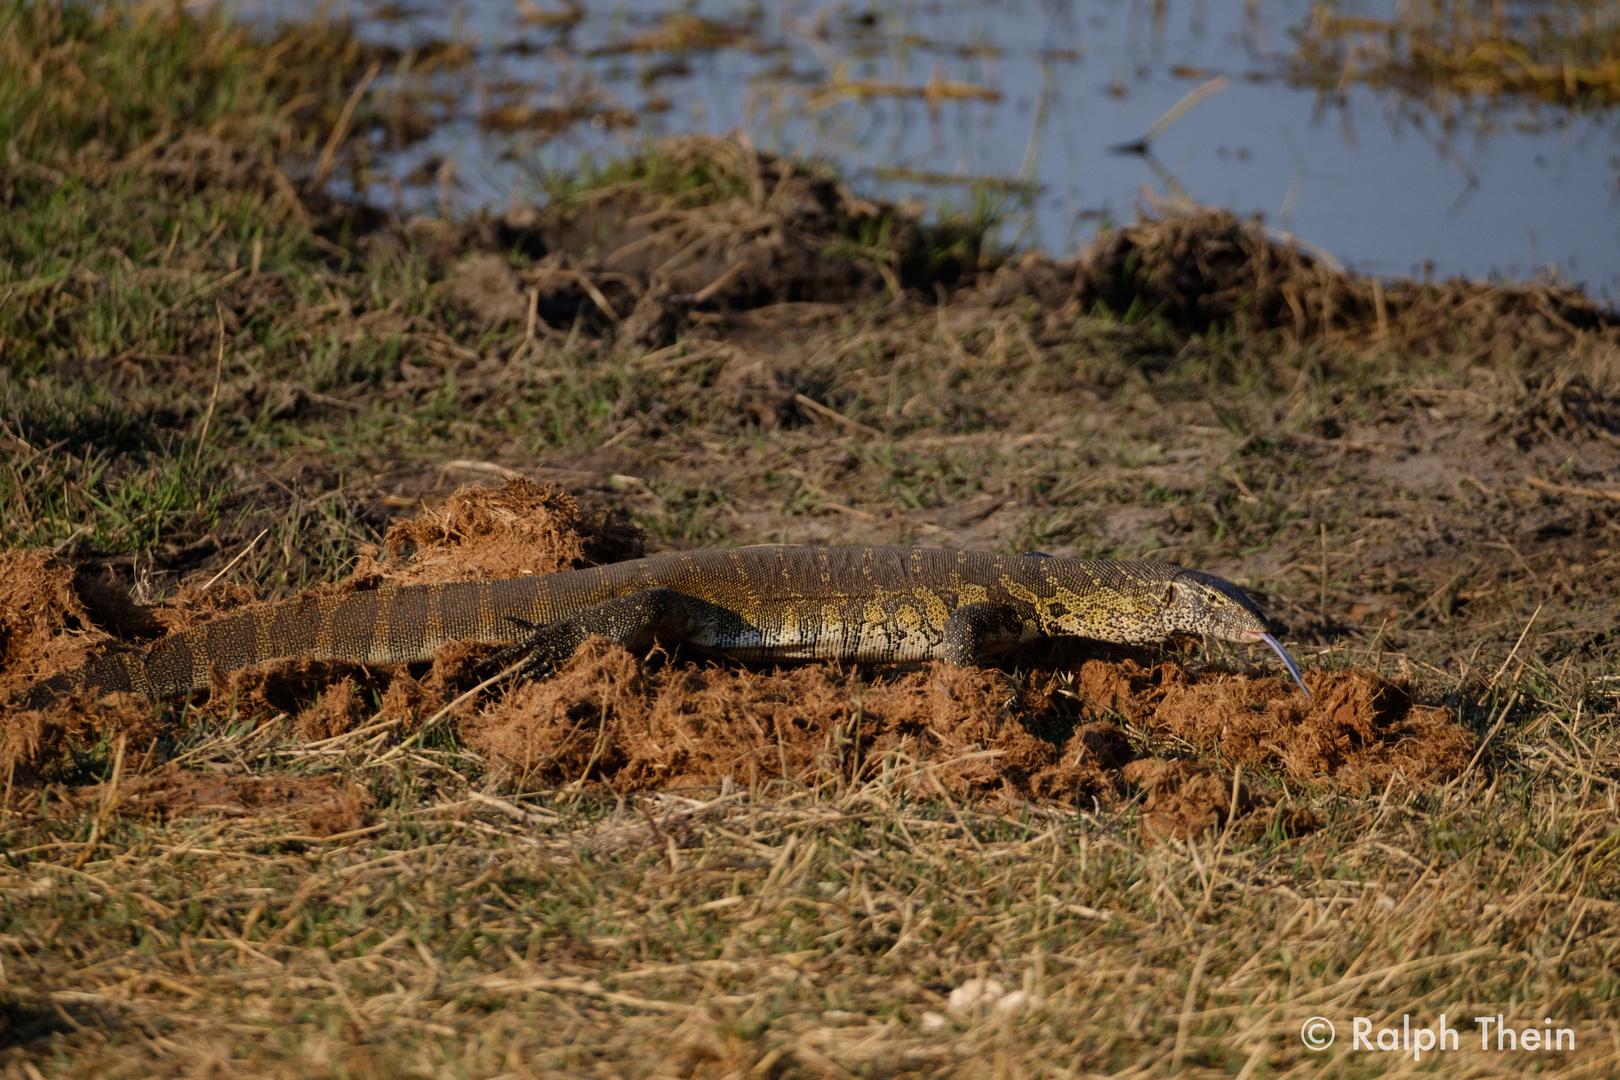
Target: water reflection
x=1026, y=104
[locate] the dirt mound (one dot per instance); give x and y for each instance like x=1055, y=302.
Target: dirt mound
x=606, y=718
x=327, y=698
x=518, y=529
x=1358, y=730
x=1183, y=798
x=972, y=733
x=188, y=607
x=1199, y=268
x=44, y=624
x=32, y=740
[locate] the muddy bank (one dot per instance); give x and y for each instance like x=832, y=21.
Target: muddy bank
x=697, y=227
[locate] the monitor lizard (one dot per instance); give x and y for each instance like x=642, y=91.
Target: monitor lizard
x=861, y=604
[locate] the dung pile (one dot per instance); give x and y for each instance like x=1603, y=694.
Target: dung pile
x=971, y=733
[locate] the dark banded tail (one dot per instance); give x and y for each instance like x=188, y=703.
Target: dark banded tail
x=103, y=675
x=385, y=626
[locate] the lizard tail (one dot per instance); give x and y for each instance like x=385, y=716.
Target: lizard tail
x=105, y=675
x=383, y=626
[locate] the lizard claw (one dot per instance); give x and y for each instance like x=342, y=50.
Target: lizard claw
x=544, y=649
x=539, y=664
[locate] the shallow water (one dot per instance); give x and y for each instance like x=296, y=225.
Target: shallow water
x=1029, y=97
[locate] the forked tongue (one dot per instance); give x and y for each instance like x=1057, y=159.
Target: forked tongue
x=1288, y=661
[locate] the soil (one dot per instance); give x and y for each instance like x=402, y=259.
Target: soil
x=967, y=733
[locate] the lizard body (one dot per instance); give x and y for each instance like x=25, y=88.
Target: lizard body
x=862, y=604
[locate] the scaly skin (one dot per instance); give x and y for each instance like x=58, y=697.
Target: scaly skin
x=868, y=605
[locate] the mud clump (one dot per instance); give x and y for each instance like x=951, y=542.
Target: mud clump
x=605, y=718
x=342, y=690
x=32, y=739
x=518, y=529
x=45, y=626
x=1182, y=798
x=339, y=709
x=697, y=224
x=1358, y=729
x=191, y=607
x=348, y=812
x=486, y=288
x=608, y=719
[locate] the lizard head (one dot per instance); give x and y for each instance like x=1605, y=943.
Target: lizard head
x=1198, y=603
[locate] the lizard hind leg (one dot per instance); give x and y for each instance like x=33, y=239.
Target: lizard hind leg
x=633, y=620
x=537, y=647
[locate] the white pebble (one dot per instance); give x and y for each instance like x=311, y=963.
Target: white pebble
x=975, y=995
x=1016, y=1002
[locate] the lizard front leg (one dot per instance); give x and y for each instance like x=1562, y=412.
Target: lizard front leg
x=976, y=630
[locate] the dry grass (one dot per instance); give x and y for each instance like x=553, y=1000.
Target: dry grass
x=1562, y=52
x=805, y=929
